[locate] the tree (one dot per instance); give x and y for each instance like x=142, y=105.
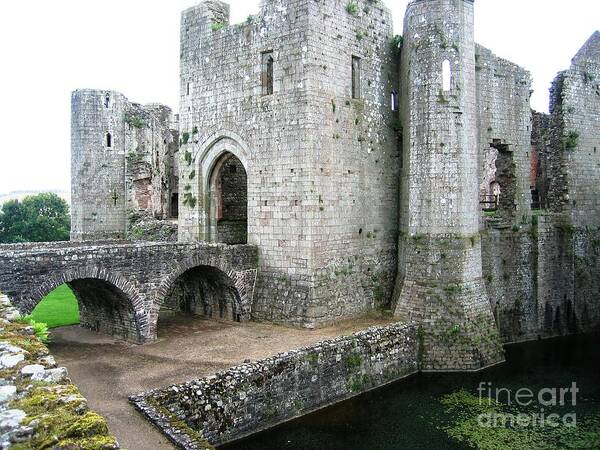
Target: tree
x=38, y=218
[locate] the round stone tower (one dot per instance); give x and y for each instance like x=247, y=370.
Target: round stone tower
x=98, y=204
x=440, y=283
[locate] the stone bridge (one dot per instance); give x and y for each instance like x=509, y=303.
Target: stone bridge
x=121, y=287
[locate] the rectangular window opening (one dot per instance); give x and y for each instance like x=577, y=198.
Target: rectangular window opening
x=395, y=105
x=267, y=73
x=356, y=77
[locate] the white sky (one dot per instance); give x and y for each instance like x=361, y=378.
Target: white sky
x=49, y=48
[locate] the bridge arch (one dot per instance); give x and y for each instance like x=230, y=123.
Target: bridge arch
x=204, y=287
x=108, y=303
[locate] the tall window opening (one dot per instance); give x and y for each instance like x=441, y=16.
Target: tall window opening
x=267, y=73
x=174, y=205
x=394, y=101
x=108, y=140
x=188, y=89
x=107, y=101
x=355, y=77
x=446, y=75
x=229, y=201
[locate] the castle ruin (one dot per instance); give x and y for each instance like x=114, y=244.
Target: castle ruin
x=371, y=172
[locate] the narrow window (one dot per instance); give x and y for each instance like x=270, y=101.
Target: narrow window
x=355, y=77
x=446, y=75
x=174, y=205
x=188, y=89
x=107, y=100
x=394, y=101
x=108, y=140
x=267, y=73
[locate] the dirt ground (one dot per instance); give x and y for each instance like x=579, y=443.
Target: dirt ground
x=107, y=371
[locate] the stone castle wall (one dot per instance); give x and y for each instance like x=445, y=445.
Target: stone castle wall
x=574, y=152
x=440, y=283
x=342, y=191
x=504, y=131
x=543, y=278
x=259, y=395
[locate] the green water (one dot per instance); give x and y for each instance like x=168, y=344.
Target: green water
x=409, y=414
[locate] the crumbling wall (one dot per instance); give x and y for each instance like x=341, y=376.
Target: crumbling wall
x=122, y=160
x=39, y=405
x=504, y=130
x=540, y=147
x=574, y=156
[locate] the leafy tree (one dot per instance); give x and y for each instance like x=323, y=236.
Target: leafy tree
x=38, y=218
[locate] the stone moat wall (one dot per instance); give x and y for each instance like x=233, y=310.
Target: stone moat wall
x=259, y=395
x=543, y=278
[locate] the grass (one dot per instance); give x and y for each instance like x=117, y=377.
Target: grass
x=58, y=309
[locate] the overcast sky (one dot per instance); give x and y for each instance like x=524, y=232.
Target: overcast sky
x=49, y=48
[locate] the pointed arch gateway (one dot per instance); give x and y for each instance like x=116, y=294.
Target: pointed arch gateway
x=224, y=163
x=228, y=201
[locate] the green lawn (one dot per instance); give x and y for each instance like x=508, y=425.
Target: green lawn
x=58, y=308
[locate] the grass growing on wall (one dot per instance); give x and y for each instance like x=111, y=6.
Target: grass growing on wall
x=58, y=309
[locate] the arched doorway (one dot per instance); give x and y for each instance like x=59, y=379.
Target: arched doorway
x=203, y=291
x=228, y=201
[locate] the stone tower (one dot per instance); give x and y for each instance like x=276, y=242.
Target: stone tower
x=440, y=283
x=122, y=164
x=97, y=165
x=290, y=113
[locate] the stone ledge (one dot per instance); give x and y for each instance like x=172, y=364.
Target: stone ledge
x=259, y=395
x=39, y=406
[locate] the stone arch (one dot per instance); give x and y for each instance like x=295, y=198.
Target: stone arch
x=227, y=201
x=108, y=303
x=209, y=155
x=240, y=284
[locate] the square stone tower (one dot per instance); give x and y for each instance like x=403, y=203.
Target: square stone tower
x=289, y=142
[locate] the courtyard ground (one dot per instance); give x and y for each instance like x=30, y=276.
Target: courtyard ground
x=107, y=371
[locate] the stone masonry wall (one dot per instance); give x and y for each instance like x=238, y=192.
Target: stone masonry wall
x=504, y=130
x=543, y=278
x=540, y=141
x=259, y=395
x=121, y=162
x=574, y=154
x=321, y=165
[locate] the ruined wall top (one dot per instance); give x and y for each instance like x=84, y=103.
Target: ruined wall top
x=590, y=52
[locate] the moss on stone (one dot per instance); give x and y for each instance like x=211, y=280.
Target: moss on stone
x=58, y=412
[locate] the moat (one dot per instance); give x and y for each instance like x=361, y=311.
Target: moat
x=409, y=414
